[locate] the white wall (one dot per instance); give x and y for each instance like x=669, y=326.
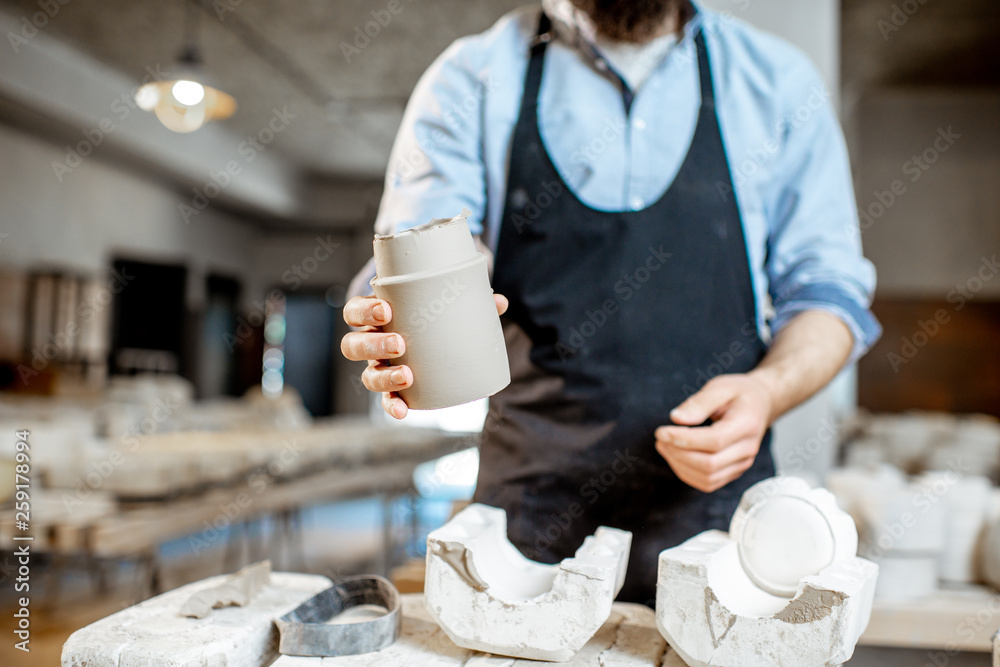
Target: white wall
x=98, y=210
x=811, y=25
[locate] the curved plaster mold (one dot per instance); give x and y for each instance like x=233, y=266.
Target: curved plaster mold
x=487, y=596
x=783, y=588
x=438, y=286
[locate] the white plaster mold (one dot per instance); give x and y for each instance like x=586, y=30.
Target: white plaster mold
x=488, y=597
x=437, y=285
x=729, y=600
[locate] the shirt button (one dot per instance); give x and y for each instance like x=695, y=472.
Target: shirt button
x=639, y=123
x=637, y=203
x=601, y=64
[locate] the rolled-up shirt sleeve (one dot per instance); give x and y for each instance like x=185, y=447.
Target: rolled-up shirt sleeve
x=814, y=259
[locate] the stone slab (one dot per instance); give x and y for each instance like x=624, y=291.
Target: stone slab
x=154, y=634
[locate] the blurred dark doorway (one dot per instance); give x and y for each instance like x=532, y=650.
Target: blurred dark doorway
x=147, y=331
x=218, y=349
x=310, y=341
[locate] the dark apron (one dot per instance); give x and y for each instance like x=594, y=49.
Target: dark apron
x=615, y=318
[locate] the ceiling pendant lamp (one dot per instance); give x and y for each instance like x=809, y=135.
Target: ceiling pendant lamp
x=185, y=101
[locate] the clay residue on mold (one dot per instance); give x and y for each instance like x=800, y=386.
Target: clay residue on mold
x=713, y=611
x=460, y=559
x=813, y=605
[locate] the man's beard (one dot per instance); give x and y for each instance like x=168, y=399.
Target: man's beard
x=634, y=20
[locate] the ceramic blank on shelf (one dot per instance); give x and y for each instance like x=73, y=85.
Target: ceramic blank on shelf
x=438, y=287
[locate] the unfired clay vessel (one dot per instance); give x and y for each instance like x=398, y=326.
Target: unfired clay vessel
x=438, y=287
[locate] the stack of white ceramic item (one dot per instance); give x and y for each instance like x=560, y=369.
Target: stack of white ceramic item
x=437, y=285
x=971, y=447
x=965, y=500
x=904, y=532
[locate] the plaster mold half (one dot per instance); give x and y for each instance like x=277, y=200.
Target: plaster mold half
x=437, y=284
x=783, y=588
x=487, y=596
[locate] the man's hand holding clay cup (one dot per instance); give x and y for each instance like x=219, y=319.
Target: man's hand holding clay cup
x=430, y=336
x=370, y=314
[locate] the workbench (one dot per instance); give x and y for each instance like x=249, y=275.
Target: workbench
x=199, y=484
x=152, y=633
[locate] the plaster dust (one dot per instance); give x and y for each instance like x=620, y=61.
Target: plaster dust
x=437, y=284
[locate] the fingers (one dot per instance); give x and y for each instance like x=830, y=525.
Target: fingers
x=366, y=345
x=394, y=405
x=709, y=463
x=385, y=378
x=715, y=438
x=502, y=303
x=709, y=400
x=706, y=474
x=367, y=311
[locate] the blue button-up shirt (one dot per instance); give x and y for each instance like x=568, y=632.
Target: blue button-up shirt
x=786, y=151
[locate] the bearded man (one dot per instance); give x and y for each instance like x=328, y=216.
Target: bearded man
x=667, y=197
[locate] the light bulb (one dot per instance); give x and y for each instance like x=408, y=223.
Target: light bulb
x=147, y=97
x=188, y=93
